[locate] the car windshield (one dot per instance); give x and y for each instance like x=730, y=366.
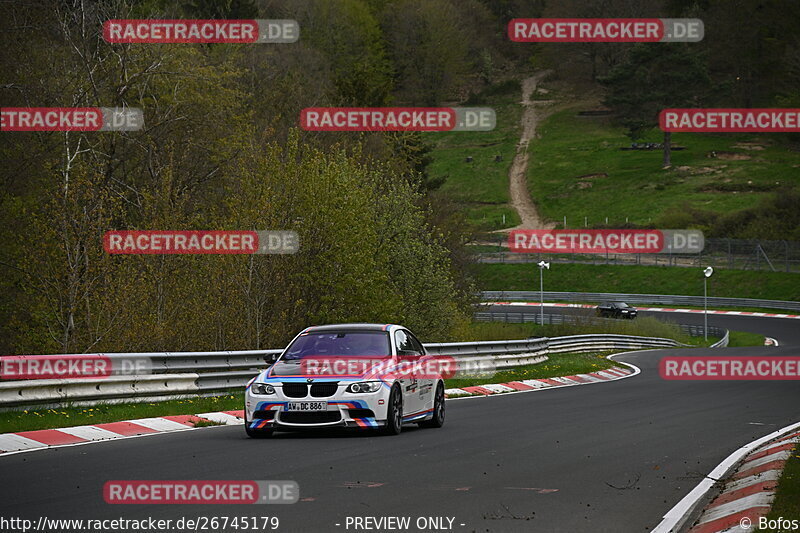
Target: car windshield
x=340, y=344
x=621, y=304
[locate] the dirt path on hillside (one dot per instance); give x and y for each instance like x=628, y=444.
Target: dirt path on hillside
x=521, y=199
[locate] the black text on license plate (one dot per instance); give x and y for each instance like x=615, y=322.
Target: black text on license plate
x=307, y=406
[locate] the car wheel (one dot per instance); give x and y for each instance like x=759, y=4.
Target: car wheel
x=256, y=433
x=438, y=409
x=394, y=417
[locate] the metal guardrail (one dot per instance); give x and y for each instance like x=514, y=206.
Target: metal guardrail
x=223, y=371
x=723, y=342
x=59, y=391
x=661, y=299
x=168, y=362
x=579, y=343
x=461, y=349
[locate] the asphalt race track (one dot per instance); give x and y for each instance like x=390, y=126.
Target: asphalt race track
x=605, y=457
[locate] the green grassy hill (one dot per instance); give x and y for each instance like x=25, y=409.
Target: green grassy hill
x=481, y=187
x=578, y=169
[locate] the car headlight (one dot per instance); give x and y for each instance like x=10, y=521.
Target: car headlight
x=262, y=388
x=365, y=386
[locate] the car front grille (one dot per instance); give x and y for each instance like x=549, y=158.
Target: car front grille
x=314, y=417
x=295, y=390
x=263, y=415
x=324, y=389
x=361, y=413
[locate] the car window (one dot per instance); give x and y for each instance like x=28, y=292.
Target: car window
x=405, y=345
x=340, y=344
x=416, y=344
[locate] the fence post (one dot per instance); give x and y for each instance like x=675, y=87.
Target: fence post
x=730, y=257
x=786, y=254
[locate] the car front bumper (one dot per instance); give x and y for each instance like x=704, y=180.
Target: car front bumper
x=362, y=410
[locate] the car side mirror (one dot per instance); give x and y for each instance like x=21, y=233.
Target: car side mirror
x=270, y=358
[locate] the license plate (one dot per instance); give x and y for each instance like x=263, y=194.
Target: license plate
x=306, y=406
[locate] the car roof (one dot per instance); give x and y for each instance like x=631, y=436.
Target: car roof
x=359, y=326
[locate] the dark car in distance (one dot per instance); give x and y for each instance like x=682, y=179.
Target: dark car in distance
x=616, y=310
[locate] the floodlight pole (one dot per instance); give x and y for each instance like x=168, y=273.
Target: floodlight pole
x=541, y=294
x=542, y=265
x=706, y=274
x=705, y=307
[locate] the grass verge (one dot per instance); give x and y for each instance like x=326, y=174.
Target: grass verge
x=33, y=419
x=644, y=327
x=639, y=280
x=744, y=338
x=787, y=497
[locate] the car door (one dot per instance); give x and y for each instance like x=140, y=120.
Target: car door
x=427, y=381
x=407, y=356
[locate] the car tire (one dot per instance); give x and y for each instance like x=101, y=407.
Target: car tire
x=438, y=409
x=394, y=415
x=256, y=433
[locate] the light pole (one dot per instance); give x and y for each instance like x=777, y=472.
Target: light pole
x=706, y=274
x=542, y=266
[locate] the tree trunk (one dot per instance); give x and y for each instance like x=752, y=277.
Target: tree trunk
x=667, y=149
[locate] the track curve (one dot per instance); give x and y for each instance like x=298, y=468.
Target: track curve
x=612, y=457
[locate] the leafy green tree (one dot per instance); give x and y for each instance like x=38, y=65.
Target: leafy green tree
x=220, y=9
x=347, y=33
x=218, y=151
x=655, y=76
x=428, y=48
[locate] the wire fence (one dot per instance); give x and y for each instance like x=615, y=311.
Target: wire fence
x=741, y=254
x=692, y=330
x=657, y=299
